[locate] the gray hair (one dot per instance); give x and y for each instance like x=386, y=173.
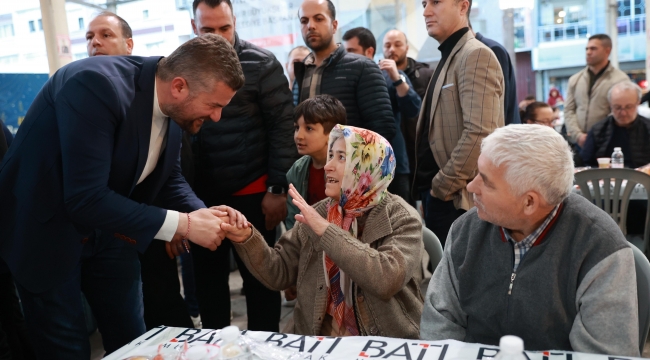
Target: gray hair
x=624, y=86
x=536, y=158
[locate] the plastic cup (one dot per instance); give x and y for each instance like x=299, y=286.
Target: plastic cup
x=603, y=163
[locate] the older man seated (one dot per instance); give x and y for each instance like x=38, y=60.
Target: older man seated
x=532, y=259
x=625, y=128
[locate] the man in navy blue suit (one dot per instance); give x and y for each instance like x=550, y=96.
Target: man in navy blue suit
x=95, y=150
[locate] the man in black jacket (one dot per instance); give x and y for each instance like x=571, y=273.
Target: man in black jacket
x=354, y=80
x=395, y=48
x=242, y=161
x=625, y=128
x=510, y=109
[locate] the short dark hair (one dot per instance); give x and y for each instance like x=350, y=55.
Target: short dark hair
x=322, y=109
x=530, y=97
x=365, y=36
x=127, y=33
x=604, y=39
x=532, y=108
x=201, y=61
x=211, y=3
x=330, y=8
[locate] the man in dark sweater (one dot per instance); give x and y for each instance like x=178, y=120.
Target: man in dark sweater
x=510, y=109
x=242, y=161
x=354, y=80
x=532, y=259
x=625, y=128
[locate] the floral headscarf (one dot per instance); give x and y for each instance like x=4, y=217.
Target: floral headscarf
x=369, y=169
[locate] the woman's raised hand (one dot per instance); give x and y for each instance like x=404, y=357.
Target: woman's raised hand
x=308, y=215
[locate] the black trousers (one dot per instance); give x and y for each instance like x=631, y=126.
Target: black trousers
x=439, y=215
x=401, y=186
x=163, y=303
x=14, y=340
x=211, y=270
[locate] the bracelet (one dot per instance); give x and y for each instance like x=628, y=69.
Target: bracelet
x=189, y=222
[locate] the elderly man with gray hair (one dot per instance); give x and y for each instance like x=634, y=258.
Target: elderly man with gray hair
x=624, y=128
x=532, y=259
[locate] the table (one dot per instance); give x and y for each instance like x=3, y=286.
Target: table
x=329, y=348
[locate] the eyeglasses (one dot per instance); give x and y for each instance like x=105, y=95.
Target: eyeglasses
x=627, y=108
x=547, y=122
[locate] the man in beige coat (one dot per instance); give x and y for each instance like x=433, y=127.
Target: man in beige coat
x=586, y=102
x=463, y=104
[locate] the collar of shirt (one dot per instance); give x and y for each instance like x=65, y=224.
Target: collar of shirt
x=310, y=60
x=600, y=72
x=522, y=247
x=448, y=45
x=157, y=112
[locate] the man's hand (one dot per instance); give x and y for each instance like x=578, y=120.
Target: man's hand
x=581, y=139
x=274, y=207
x=176, y=247
x=231, y=216
x=308, y=215
x=391, y=67
x=204, y=227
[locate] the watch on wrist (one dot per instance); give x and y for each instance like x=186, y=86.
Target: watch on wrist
x=276, y=190
x=401, y=80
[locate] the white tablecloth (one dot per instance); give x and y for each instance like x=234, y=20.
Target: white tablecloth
x=325, y=348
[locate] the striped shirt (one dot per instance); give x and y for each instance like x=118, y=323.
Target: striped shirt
x=521, y=247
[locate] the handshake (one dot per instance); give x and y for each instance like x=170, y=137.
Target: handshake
x=207, y=228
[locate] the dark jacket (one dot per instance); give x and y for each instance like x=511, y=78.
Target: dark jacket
x=599, y=142
x=74, y=166
x=407, y=106
x=358, y=83
x=420, y=74
x=511, y=110
x=255, y=134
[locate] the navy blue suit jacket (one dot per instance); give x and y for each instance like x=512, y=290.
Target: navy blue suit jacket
x=71, y=172
x=511, y=106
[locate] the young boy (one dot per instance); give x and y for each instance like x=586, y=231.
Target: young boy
x=313, y=120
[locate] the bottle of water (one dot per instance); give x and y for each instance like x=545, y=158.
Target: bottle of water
x=617, y=158
x=233, y=345
x=511, y=348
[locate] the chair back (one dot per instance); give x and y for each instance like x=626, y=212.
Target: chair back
x=642, y=266
x=617, y=186
x=432, y=246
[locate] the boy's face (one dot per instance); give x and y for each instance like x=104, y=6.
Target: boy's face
x=310, y=138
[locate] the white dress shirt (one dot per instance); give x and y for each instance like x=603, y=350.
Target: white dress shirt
x=160, y=123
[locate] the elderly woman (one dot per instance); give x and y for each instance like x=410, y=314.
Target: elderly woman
x=355, y=257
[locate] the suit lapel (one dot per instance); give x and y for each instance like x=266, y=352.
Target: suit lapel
x=144, y=113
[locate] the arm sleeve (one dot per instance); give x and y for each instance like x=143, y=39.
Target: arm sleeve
x=409, y=105
x=276, y=104
x=373, y=101
x=588, y=152
x=570, y=115
x=606, y=301
x=276, y=267
x=395, y=260
x=443, y=317
x=88, y=112
x=480, y=88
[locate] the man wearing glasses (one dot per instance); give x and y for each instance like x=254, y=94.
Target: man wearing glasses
x=539, y=113
x=624, y=128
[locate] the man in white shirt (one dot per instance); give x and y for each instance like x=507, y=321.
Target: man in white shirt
x=94, y=171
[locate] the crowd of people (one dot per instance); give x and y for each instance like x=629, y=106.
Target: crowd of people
x=123, y=161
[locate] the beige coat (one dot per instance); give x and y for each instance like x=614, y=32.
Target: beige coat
x=580, y=111
x=467, y=106
x=385, y=266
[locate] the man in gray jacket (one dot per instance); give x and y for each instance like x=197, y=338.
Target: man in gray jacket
x=532, y=259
